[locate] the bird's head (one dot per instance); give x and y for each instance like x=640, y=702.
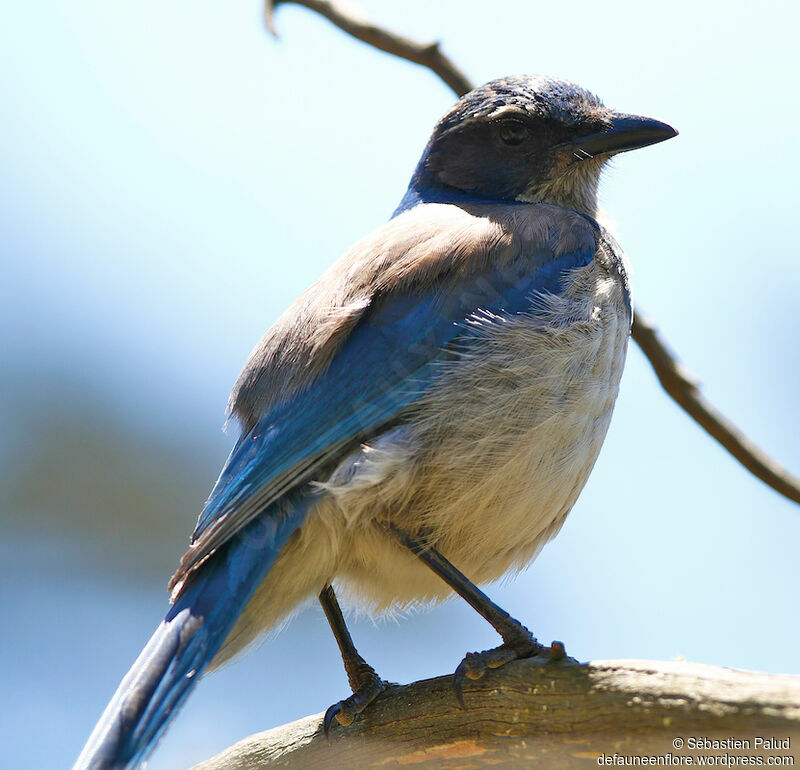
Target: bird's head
x=532, y=139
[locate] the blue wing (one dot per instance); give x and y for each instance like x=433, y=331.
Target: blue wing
x=388, y=361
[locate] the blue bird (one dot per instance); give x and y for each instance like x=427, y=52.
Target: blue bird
x=424, y=416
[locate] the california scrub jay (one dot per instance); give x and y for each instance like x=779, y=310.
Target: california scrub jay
x=437, y=398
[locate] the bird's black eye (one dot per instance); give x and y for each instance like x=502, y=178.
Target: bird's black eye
x=513, y=132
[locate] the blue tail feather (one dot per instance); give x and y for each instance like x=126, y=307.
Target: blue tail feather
x=184, y=644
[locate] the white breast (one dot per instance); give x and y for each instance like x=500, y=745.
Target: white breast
x=497, y=453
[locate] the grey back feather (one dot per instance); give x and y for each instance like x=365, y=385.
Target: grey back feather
x=429, y=243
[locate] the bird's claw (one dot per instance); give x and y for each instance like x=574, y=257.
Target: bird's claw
x=345, y=711
x=331, y=714
x=476, y=664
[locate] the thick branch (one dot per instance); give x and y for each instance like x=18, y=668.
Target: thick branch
x=669, y=372
x=532, y=714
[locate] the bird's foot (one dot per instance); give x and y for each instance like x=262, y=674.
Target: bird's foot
x=476, y=664
x=366, y=687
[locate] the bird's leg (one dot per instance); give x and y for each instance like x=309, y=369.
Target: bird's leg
x=364, y=680
x=518, y=641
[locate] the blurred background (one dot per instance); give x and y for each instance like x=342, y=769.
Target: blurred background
x=172, y=178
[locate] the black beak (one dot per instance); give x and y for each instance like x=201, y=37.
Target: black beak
x=623, y=133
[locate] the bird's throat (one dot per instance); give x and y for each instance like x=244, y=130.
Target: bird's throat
x=574, y=188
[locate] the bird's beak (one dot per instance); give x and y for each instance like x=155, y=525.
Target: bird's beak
x=623, y=133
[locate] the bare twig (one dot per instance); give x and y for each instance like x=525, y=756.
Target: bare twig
x=425, y=54
x=684, y=390
x=672, y=376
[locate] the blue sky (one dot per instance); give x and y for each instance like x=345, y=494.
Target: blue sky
x=172, y=178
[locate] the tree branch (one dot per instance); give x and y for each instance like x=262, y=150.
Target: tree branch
x=537, y=714
x=672, y=376
x=425, y=54
x=684, y=390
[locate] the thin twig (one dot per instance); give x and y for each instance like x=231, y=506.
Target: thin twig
x=425, y=54
x=682, y=387
x=672, y=376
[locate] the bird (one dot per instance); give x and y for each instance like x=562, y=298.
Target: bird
x=422, y=419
